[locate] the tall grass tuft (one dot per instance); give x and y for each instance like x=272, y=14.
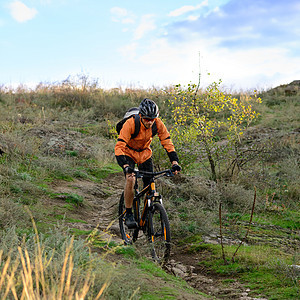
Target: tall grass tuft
x=56, y=266
x=36, y=274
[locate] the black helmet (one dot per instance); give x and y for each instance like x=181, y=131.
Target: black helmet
x=148, y=109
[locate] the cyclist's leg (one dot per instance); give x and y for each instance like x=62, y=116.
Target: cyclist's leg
x=129, y=184
x=128, y=235
x=148, y=167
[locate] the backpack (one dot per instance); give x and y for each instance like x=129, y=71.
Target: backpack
x=134, y=113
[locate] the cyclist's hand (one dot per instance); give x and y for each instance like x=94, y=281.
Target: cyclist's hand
x=128, y=170
x=176, y=168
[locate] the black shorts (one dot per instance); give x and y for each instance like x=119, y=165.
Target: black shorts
x=145, y=166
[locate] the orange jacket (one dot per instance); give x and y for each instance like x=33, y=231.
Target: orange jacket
x=139, y=148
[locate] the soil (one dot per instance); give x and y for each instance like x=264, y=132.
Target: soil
x=99, y=210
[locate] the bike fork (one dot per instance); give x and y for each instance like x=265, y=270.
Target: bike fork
x=151, y=238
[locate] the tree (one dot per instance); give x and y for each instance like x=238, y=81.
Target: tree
x=199, y=119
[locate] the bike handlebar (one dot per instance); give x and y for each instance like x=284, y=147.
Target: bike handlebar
x=140, y=174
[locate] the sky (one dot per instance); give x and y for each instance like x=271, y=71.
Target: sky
x=248, y=44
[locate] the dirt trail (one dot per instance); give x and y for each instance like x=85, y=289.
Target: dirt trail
x=100, y=203
x=100, y=209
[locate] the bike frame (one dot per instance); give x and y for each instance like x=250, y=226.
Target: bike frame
x=151, y=194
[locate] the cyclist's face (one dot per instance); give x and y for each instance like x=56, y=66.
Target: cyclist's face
x=148, y=122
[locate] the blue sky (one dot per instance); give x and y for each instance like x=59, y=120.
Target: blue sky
x=248, y=44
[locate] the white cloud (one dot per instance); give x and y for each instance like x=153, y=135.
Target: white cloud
x=252, y=68
x=224, y=54
x=122, y=15
x=182, y=10
x=128, y=21
x=119, y=11
x=165, y=63
x=187, y=8
x=216, y=11
x=20, y=12
x=45, y=2
x=192, y=18
x=257, y=68
x=146, y=25
x=129, y=51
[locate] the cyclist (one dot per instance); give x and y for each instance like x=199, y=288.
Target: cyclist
x=130, y=151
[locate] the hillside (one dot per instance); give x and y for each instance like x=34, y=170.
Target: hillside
x=57, y=165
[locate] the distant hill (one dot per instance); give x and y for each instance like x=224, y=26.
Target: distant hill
x=290, y=89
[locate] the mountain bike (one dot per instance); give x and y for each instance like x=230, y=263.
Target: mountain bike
x=150, y=215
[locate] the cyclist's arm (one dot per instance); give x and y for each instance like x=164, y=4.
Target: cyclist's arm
x=166, y=142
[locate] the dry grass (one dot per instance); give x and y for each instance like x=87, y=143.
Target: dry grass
x=59, y=267
x=31, y=276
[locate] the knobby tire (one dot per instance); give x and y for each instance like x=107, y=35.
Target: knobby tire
x=159, y=234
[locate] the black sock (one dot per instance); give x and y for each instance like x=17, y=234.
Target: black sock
x=128, y=210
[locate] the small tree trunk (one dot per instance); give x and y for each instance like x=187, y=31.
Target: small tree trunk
x=211, y=162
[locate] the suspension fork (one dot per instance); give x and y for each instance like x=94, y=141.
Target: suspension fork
x=149, y=191
x=151, y=198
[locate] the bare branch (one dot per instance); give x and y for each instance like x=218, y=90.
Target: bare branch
x=250, y=221
x=221, y=234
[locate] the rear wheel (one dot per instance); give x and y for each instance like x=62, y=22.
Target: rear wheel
x=159, y=234
x=128, y=235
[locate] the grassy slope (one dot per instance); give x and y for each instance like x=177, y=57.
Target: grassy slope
x=37, y=131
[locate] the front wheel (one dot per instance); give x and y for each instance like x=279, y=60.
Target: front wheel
x=159, y=234
x=128, y=235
